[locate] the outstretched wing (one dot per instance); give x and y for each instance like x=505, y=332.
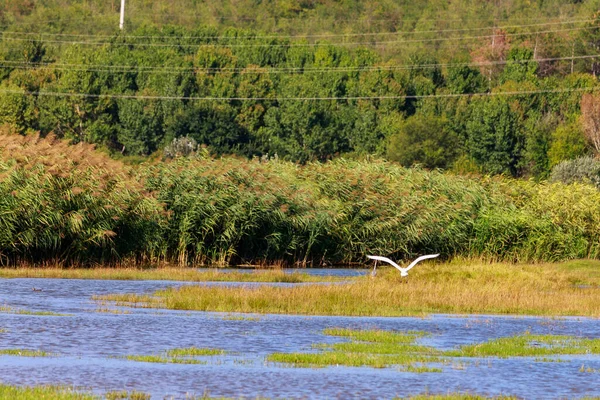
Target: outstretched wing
x=385, y=259
x=412, y=264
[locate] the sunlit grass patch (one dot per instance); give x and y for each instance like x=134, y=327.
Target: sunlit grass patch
x=271, y=275
x=528, y=345
x=163, y=360
x=178, y=356
x=459, y=287
x=457, y=396
x=374, y=348
x=125, y=395
x=377, y=336
x=12, y=310
x=8, y=392
x=25, y=353
x=380, y=349
x=194, y=351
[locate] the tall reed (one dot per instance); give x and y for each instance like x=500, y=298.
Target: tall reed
x=73, y=204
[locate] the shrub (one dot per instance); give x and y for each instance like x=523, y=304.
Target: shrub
x=582, y=169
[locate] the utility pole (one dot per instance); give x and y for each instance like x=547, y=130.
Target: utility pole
x=122, y=15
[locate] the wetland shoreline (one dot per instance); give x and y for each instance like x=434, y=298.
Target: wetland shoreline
x=461, y=287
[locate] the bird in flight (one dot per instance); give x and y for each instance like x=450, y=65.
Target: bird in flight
x=403, y=271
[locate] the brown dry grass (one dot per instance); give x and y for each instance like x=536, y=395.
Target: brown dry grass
x=162, y=273
x=542, y=289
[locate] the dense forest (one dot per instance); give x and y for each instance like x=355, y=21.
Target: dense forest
x=476, y=87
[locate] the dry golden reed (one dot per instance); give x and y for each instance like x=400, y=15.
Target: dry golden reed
x=456, y=288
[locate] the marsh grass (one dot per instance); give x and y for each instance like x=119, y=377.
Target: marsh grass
x=25, y=353
x=125, y=395
x=377, y=349
x=194, y=351
x=8, y=392
x=178, y=356
x=528, y=345
x=166, y=273
x=460, y=287
x=381, y=349
x=457, y=396
x=163, y=360
x=12, y=310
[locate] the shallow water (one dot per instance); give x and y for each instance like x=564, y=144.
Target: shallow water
x=87, y=341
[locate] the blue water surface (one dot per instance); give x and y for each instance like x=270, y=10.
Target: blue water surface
x=88, y=342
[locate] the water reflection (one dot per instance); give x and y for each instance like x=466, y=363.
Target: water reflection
x=88, y=342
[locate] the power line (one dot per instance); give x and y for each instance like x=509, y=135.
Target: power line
x=239, y=37
x=279, y=99
x=275, y=70
x=366, y=43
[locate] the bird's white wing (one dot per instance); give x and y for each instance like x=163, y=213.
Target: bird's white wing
x=412, y=264
x=385, y=259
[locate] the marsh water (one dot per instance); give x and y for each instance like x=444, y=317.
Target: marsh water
x=88, y=344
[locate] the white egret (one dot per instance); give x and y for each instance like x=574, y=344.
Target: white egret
x=403, y=271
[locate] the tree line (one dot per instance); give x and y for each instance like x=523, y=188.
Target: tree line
x=239, y=92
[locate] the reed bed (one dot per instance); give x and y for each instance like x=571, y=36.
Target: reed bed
x=460, y=287
x=73, y=205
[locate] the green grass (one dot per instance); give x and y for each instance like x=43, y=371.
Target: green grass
x=25, y=353
x=528, y=345
x=9, y=392
x=163, y=360
x=194, y=351
x=42, y=392
x=381, y=349
x=11, y=310
x=377, y=349
x=177, y=356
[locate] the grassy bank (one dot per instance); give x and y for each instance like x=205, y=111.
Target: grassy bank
x=167, y=273
x=76, y=206
x=461, y=287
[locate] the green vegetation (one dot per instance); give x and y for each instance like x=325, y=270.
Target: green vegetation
x=42, y=392
x=459, y=287
x=529, y=346
x=368, y=348
x=24, y=353
x=226, y=75
x=177, y=356
x=12, y=310
x=67, y=205
x=8, y=392
x=299, y=81
x=164, y=273
x=381, y=349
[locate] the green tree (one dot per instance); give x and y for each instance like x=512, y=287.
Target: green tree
x=424, y=140
x=494, y=135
